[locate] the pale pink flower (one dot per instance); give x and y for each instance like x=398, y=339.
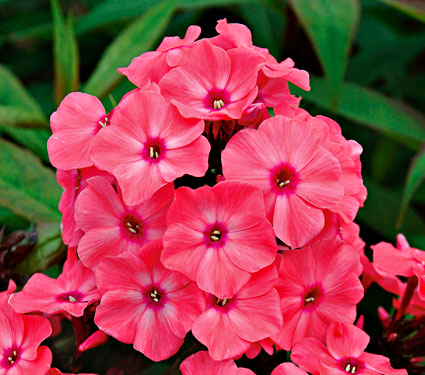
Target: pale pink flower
x=218, y=236
x=299, y=178
x=211, y=83
x=71, y=292
x=343, y=354
x=111, y=227
x=317, y=285
x=152, y=66
x=202, y=363
x=148, y=145
x=145, y=304
x=74, y=125
x=229, y=326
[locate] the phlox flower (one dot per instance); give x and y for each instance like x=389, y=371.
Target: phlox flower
x=402, y=260
x=201, y=363
x=267, y=344
x=288, y=368
x=55, y=371
x=211, y=83
x=111, y=227
x=299, y=178
x=145, y=304
x=71, y=292
x=152, y=66
x=343, y=354
x=74, y=181
x=74, y=125
x=317, y=285
x=229, y=326
x=218, y=236
x=20, y=339
x=148, y=145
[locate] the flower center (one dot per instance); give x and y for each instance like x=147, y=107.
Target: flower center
x=351, y=365
x=312, y=296
x=221, y=302
x=13, y=356
x=153, y=150
x=72, y=297
x=215, y=235
x=284, y=179
x=104, y=122
x=154, y=294
x=132, y=226
x=218, y=104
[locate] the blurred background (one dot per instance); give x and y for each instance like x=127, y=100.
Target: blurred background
x=366, y=61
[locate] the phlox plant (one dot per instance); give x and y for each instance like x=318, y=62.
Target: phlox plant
x=207, y=201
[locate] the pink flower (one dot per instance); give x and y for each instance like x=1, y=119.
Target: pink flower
x=145, y=304
x=201, y=363
x=211, y=83
x=218, y=236
x=20, y=339
x=151, y=66
x=74, y=182
x=149, y=145
x=71, y=292
x=343, y=354
x=111, y=227
x=288, y=368
x=402, y=261
x=55, y=371
x=229, y=326
x=299, y=178
x=317, y=285
x=96, y=339
x=74, y=126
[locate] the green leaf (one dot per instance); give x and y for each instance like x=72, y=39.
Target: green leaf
x=330, y=25
x=49, y=247
x=65, y=52
x=17, y=106
x=380, y=214
x=367, y=107
x=138, y=37
x=182, y=4
x=27, y=188
x=111, y=11
x=33, y=139
x=413, y=8
x=415, y=176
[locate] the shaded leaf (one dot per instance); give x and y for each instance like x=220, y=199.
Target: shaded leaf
x=415, y=176
x=380, y=214
x=27, y=188
x=17, y=106
x=365, y=106
x=330, y=26
x=49, y=247
x=11, y=221
x=65, y=52
x=138, y=37
x=33, y=139
x=216, y=3
x=413, y=8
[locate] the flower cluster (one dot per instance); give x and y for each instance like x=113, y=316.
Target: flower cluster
x=256, y=249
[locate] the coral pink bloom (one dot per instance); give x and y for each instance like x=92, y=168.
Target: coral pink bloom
x=267, y=344
x=297, y=175
x=71, y=292
x=20, y=338
x=218, y=236
x=229, y=326
x=317, y=285
x=211, y=83
x=55, y=371
x=151, y=66
x=145, y=304
x=288, y=369
x=343, y=354
x=346, y=152
x=148, y=145
x=73, y=182
x=74, y=125
x=96, y=339
x=402, y=261
x=201, y=363
x=111, y=227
